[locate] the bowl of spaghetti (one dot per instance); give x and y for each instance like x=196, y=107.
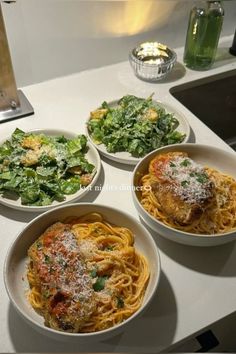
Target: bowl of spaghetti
x=82, y=271
x=187, y=193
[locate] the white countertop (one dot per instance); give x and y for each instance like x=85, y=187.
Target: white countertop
x=198, y=285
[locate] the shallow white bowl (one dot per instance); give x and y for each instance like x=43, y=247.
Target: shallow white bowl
x=126, y=157
x=206, y=155
x=92, y=156
x=16, y=260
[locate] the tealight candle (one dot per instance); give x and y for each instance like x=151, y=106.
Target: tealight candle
x=151, y=52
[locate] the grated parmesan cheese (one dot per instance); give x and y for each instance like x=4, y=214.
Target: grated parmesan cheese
x=62, y=271
x=188, y=180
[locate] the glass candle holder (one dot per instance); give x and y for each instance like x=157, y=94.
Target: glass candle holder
x=152, y=61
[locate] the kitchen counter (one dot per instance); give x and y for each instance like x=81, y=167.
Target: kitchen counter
x=198, y=285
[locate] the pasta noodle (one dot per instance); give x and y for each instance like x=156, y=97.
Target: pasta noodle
x=118, y=276
x=218, y=217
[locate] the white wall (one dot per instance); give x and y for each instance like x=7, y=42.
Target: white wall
x=51, y=38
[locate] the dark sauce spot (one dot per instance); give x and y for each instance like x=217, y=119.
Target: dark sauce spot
x=59, y=297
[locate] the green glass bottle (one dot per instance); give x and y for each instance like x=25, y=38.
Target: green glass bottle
x=204, y=28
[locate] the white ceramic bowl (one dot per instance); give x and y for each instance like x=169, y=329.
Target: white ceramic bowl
x=16, y=260
x=92, y=156
x=205, y=155
x=125, y=157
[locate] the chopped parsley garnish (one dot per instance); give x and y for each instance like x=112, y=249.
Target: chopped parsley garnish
x=39, y=245
x=172, y=164
x=47, y=258
x=184, y=183
x=63, y=263
x=46, y=294
x=100, y=283
x=202, y=178
x=120, y=302
x=109, y=248
x=93, y=273
x=185, y=163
